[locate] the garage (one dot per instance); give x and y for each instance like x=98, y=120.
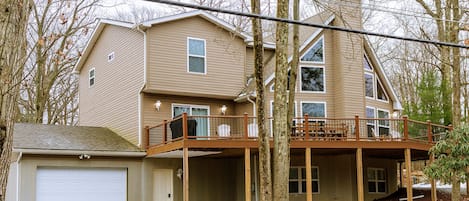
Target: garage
x=81, y=184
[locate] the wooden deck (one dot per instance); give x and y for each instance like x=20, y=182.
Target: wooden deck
x=339, y=133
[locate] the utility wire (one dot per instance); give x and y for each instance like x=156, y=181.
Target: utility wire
x=335, y=28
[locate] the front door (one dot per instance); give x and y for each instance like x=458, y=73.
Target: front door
x=163, y=185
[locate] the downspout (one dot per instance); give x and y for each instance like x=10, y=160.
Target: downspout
x=253, y=105
x=18, y=178
x=140, y=92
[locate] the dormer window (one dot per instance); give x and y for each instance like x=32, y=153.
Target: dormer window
x=315, y=54
x=91, y=77
x=196, y=56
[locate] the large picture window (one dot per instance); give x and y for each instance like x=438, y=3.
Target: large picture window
x=313, y=109
x=312, y=79
x=196, y=56
x=376, y=180
x=297, y=180
x=315, y=53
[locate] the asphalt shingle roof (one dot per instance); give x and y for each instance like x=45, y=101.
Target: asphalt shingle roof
x=57, y=137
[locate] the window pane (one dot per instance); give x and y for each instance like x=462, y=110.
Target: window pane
x=178, y=110
x=315, y=186
x=366, y=64
x=315, y=54
x=381, y=187
x=315, y=173
x=293, y=187
x=372, y=187
x=381, y=94
x=384, y=115
x=196, y=47
x=303, y=173
x=196, y=64
x=293, y=173
x=303, y=187
x=312, y=79
x=380, y=174
x=91, y=81
x=371, y=174
x=314, y=109
x=369, y=85
x=91, y=73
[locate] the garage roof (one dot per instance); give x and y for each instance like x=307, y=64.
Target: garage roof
x=79, y=138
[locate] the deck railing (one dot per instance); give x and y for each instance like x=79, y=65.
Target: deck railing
x=304, y=128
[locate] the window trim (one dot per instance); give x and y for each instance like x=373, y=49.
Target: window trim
x=190, y=55
x=323, y=52
x=376, y=181
x=301, y=79
x=312, y=118
x=89, y=77
x=299, y=180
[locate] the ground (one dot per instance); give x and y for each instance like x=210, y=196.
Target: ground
x=442, y=195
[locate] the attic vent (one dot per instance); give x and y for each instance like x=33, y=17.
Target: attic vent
x=110, y=57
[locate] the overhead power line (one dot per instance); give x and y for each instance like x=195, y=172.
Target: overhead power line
x=328, y=27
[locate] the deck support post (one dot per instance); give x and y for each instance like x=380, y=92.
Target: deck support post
x=309, y=184
x=408, y=171
x=359, y=160
x=247, y=174
x=433, y=181
x=185, y=182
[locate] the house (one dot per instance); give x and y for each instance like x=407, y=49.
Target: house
x=167, y=113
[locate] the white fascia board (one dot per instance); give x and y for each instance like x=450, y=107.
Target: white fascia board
x=397, y=104
x=303, y=46
x=79, y=152
x=203, y=14
x=94, y=37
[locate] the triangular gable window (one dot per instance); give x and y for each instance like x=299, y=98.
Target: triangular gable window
x=315, y=53
x=381, y=92
x=366, y=64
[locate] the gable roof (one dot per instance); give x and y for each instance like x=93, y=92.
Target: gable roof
x=103, y=22
x=63, y=139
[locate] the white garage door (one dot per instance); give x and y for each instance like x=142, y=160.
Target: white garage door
x=81, y=184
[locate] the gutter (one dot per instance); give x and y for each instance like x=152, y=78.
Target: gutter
x=79, y=152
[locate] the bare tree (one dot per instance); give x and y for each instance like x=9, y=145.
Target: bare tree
x=13, y=21
x=50, y=93
x=281, y=154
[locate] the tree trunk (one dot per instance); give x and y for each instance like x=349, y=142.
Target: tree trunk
x=281, y=155
x=294, y=65
x=456, y=62
x=456, y=189
x=13, y=22
x=265, y=172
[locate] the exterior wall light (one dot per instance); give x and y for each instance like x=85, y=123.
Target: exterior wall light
x=223, y=109
x=158, y=105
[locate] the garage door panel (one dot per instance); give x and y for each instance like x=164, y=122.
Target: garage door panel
x=81, y=184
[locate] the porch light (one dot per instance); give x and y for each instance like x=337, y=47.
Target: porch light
x=223, y=109
x=158, y=105
x=395, y=114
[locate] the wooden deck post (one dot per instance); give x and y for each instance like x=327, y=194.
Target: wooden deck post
x=146, y=143
x=429, y=131
x=184, y=125
x=185, y=182
x=408, y=171
x=309, y=184
x=247, y=174
x=245, y=125
x=306, y=126
x=406, y=128
x=433, y=182
x=359, y=160
x=165, y=131
x=357, y=128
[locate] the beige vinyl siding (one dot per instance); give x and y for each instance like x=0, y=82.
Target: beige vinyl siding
x=225, y=60
x=113, y=101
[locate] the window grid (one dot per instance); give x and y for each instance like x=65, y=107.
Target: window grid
x=375, y=183
x=298, y=180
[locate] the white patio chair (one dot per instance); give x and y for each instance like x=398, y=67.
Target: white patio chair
x=224, y=130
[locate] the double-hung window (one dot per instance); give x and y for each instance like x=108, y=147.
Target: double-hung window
x=376, y=180
x=383, y=125
x=297, y=180
x=196, y=56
